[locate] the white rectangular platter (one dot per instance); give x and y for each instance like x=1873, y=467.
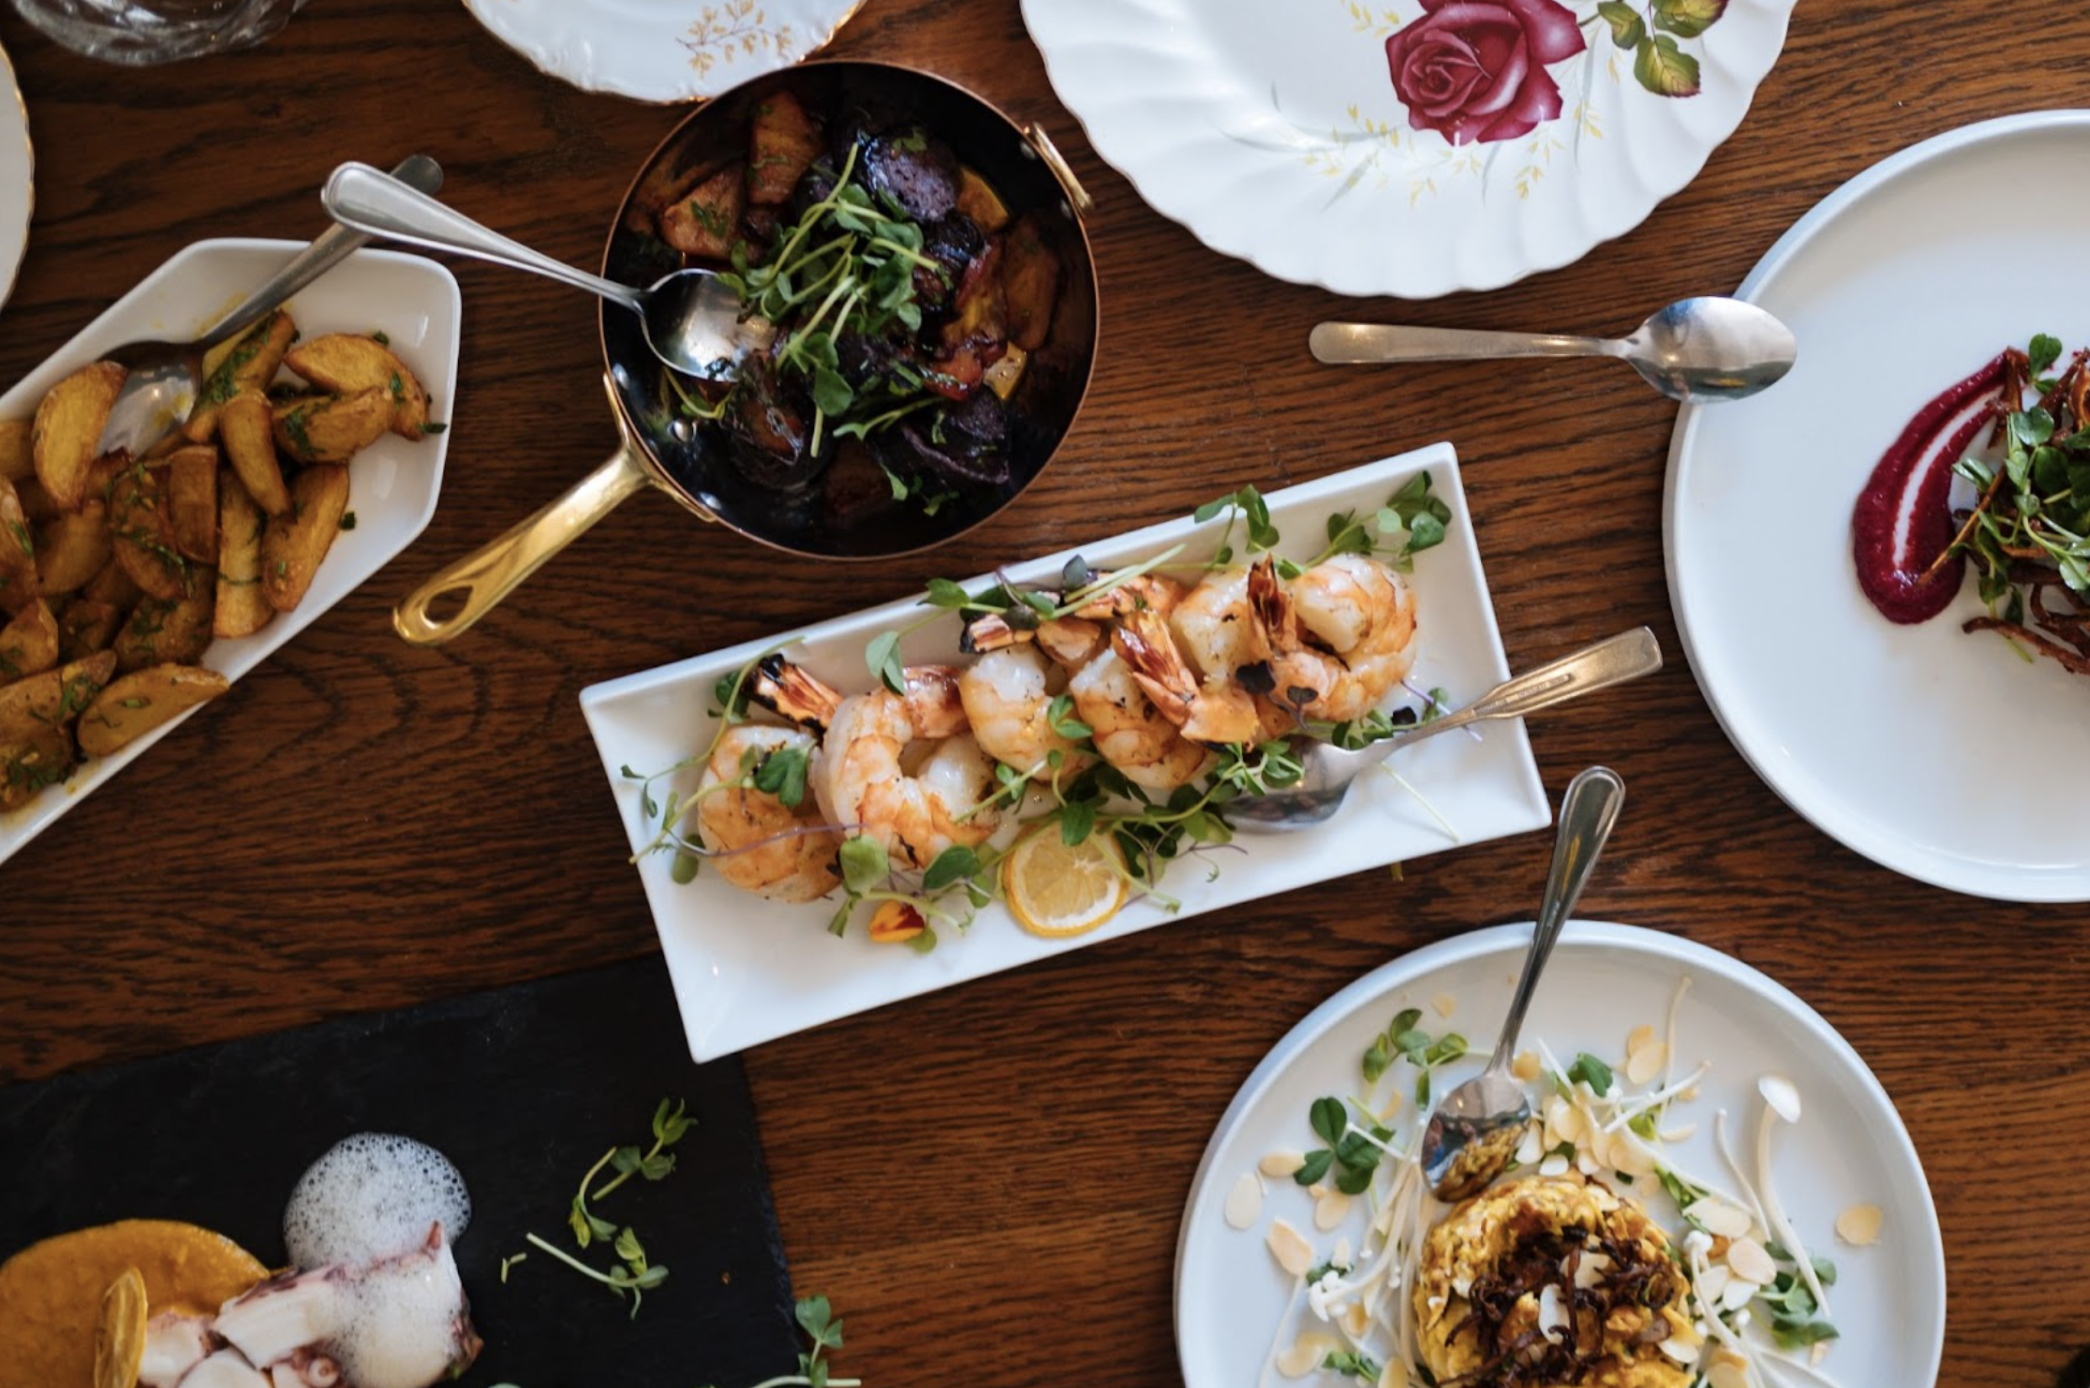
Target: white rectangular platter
x=747, y=970
x=393, y=484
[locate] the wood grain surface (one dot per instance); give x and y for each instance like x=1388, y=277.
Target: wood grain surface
x=988, y=1181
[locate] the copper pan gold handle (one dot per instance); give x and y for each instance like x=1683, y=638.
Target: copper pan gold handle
x=1046, y=150
x=482, y=579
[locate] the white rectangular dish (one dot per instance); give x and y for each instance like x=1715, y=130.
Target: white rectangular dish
x=748, y=970
x=393, y=484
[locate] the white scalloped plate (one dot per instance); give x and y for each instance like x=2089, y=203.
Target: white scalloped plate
x=662, y=50
x=1288, y=145
x=17, y=177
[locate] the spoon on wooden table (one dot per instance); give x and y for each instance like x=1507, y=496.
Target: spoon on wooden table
x=165, y=379
x=691, y=320
x=1475, y=1129
x=1694, y=350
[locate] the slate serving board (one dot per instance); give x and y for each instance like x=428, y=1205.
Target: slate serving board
x=523, y=1088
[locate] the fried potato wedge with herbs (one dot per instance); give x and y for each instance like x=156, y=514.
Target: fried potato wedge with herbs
x=86, y=626
x=783, y=141
x=142, y=535
x=293, y=546
x=344, y=363
x=19, y=583
x=71, y=548
x=113, y=586
x=176, y=632
x=30, y=762
x=248, y=362
x=331, y=429
x=705, y=220
x=134, y=704
x=243, y=608
x=247, y=429
x=17, y=455
x=68, y=427
x=192, y=503
x=53, y=698
x=29, y=643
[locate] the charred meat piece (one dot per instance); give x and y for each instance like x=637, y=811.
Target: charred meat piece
x=864, y=361
x=968, y=444
x=704, y=220
x=916, y=170
x=974, y=336
x=783, y=142
x=766, y=429
x=856, y=488
x=1030, y=278
x=953, y=243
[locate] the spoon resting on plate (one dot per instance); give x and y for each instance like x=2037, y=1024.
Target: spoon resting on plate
x=691, y=320
x=1475, y=1129
x=164, y=379
x=1695, y=350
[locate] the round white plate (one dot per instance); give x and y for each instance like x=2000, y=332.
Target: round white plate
x=17, y=177
x=662, y=50
x=1890, y=738
x=1848, y=1148
x=1305, y=137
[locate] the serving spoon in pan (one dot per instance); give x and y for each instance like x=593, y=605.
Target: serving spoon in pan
x=691, y=320
x=165, y=379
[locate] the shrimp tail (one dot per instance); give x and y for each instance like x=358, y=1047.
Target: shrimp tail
x=1272, y=605
x=1208, y=713
x=792, y=692
x=933, y=704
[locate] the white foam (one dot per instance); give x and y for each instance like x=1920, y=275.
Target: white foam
x=370, y=1197
x=401, y=1328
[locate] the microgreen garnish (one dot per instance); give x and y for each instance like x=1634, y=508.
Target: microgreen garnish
x=1351, y=1155
x=1405, y=1040
x=1592, y=1072
x=1353, y=1363
x=636, y=1274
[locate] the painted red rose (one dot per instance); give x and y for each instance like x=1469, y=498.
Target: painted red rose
x=1475, y=70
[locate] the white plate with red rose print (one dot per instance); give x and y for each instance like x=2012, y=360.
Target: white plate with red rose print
x=1459, y=144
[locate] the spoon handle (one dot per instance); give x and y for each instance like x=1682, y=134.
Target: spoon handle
x=377, y=204
x=1344, y=344
x=1587, y=812
x=327, y=250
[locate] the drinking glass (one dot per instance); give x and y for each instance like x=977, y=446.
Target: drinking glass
x=142, y=32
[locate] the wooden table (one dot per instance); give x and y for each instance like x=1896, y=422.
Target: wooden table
x=989, y=1180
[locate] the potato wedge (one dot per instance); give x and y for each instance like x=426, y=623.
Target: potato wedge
x=114, y=587
x=86, y=627
x=705, y=220
x=978, y=200
x=248, y=362
x=29, y=762
x=243, y=608
x=53, y=698
x=19, y=584
x=344, y=363
x=29, y=643
x=246, y=426
x=134, y=704
x=169, y=633
x=143, y=536
x=332, y=428
x=17, y=456
x=68, y=428
x=192, y=502
x=293, y=546
x=71, y=548
x=783, y=141
x=1030, y=280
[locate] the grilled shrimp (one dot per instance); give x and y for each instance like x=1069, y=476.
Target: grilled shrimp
x=1130, y=733
x=1008, y=698
x=1341, y=638
x=760, y=844
x=1213, y=711
x=1215, y=628
x=866, y=776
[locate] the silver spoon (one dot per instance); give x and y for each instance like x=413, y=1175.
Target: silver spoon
x=1695, y=349
x=1319, y=791
x=692, y=322
x=165, y=377
x=1476, y=1128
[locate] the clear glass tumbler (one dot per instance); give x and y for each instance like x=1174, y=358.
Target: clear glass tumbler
x=138, y=33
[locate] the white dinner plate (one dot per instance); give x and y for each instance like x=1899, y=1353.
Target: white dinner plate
x=1357, y=146
x=662, y=50
x=393, y=484
x=747, y=970
x=1848, y=1148
x=17, y=177
x=1901, y=283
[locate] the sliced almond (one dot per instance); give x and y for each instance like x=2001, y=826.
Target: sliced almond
x=1859, y=1225
x=1526, y=1066
x=1444, y=1004
x=1647, y=1062
x=1718, y=1217
x=1726, y=1369
x=1680, y=1351
x=1638, y=1039
x=1281, y=1164
x=1305, y=1355
x=1749, y=1259
x=1554, y=1165
x=1531, y=1146
x=1244, y=1203
x=1356, y=1319
x=1682, y=1132
x=1712, y=1282
x=1293, y=1253
x=1331, y=1210
x=1737, y=1294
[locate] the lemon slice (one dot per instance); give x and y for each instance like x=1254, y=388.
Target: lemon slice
x=1057, y=891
